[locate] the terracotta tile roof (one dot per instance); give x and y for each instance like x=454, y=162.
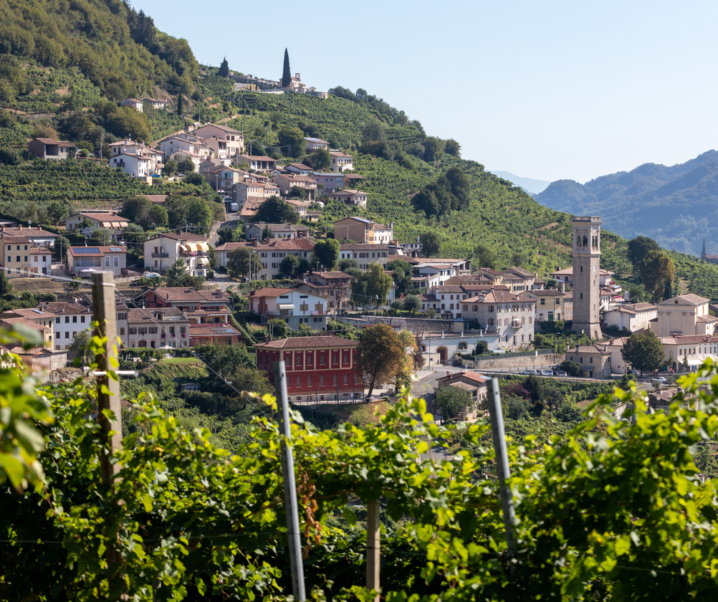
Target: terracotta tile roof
x=152, y=316
x=277, y=244
x=547, y=292
x=690, y=299
x=16, y=240
x=155, y=198
x=40, y=251
x=103, y=217
x=182, y=236
x=270, y=292
x=36, y=313
x=23, y=321
x=63, y=143
x=32, y=232
x=180, y=293
x=347, y=192
x=521, y=272
x=458, y=376
x=309, y=342
x=589, y=349
x=213, y=330
x=61, y=308
x=364, y=247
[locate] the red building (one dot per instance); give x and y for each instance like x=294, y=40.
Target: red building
x=318, y=368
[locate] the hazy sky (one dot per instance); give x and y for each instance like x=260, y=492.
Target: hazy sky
x=547, y=90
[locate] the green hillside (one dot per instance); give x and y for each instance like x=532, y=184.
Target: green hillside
x=501, y=216
x=119, y=50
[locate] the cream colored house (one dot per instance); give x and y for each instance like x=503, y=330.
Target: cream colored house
x=83, y=261
x=509, y=316
x=233, y=141
x=96, y=218
x=245, y=189
x=685, y=315
x=163, y=250
x=692, y=350
x=595, y=360
x=362, y=230
x=286, y=181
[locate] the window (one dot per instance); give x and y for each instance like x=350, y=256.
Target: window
x=299, y=381
x=321, y=380
x=107, y=262
x=74, y=319
x=580, y=359
x=590, y=360
x=82, y=319
x=57, y=320
x=9, y=258
x=67, y=335
x=309, y=380
x=25, y=258
x=334, y=380
x=346, y=379
x=122, y=331
x=67, y=319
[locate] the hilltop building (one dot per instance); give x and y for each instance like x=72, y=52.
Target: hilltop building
x=708, y=258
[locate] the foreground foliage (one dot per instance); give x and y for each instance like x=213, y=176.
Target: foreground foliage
x=611, y=510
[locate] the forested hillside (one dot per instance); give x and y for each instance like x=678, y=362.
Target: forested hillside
x=119, y=50
x=677, y=205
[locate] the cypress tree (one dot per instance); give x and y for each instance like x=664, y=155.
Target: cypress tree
x=179, y=105
x=286, y=75
x=224, y=68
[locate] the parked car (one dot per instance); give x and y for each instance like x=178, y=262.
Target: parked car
x=560, y=373
x=532, y=371
x=524, y=372
x=660, y=379
x=546, y=372
x=151, y=275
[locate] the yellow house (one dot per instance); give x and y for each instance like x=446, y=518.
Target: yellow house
x=16, y=256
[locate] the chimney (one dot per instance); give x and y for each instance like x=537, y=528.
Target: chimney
x=20, y=226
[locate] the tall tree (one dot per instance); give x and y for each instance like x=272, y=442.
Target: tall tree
x=286, y=72
x=401, y=272
x=372, y=287
x=656, y=270
x=430, y=244
x=639, y=247
x=176, y=274
x=224, y=68
x=643, y=351
x=179, y=105
x=381, y=354
x=275, y=211
x=451, y=401
x=321, y=159
x=241, y=260
x=326, y=252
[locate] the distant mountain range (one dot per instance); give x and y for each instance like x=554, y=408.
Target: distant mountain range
x=677, y=206
x=528, y=184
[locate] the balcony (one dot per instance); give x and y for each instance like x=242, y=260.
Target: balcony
x=194, y=254
x=161, y=254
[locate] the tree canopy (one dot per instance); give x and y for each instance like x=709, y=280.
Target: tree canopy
x=326, y=252
x=381, y=355
x=643, y=351
x=430, y=243
x=657, y=271
x=449, y=193
x=372, y=287
x=276, y=211
x=286, y=71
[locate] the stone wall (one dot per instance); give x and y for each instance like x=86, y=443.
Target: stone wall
x=415, y=325
x=521, y=362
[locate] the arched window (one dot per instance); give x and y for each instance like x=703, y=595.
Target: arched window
x=585, y=241
x=463, y=346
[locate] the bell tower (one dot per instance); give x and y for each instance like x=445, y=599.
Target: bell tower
x=586, y=275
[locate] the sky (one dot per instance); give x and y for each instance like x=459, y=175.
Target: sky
x=547, y=90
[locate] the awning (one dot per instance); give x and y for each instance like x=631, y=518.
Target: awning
x=203, y=246
x=185, y=248
x=286, y=306
x=202, y=261
x=193, y=247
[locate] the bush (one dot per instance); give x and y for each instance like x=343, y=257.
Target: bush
x=516, y=408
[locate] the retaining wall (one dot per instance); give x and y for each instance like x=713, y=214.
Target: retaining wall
x=520, y=362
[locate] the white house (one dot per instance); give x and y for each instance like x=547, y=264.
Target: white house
x=155, y=103
x=96, y=259
x=313, y=144
x=299, y=169
x=188, y=146
x=365, y=254
x=133, y=103
x=341, y=161
x=163, y=250
x=632, y=316
x=70, y=319
x=137, y=166
x=291, y=305
x=96, y=218
x=350, y=197
x=604, y=276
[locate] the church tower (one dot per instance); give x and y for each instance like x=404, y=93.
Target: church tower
x=586, y=275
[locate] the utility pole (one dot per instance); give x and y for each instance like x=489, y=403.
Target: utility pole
x=373, y=550
x=108, y=389
x=502, y=462
x=290, y=489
